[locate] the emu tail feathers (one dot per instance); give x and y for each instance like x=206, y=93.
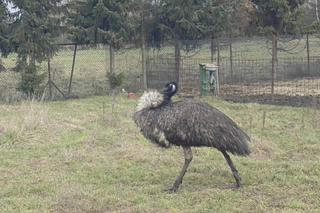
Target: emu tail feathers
x=238, y=142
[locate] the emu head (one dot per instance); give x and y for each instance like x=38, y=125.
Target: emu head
x=170, y=89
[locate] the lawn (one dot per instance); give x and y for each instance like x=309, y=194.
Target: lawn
x=86, y=155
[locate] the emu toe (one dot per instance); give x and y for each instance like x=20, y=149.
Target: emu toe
x=238, y=179
x=238, y=182
x=170, y=190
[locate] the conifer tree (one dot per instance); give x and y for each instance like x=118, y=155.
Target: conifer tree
x=142, y=18
x=186, y=21
x=100, y=22
x=5, y=47
x=276, y=17
x=35, y=26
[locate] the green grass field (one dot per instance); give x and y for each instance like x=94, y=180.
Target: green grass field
x=86, y=155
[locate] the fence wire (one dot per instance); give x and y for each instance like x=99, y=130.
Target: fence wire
x=245, y=68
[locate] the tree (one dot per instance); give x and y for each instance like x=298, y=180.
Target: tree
x=311, y=21
x=35, y=26
x=5, y=47
x=142, y=18
x=99, y=22
x=225, y=18
x=312, y=8
x=178, y=20
x=185, y=21
x=276, y=17
x=240, y=17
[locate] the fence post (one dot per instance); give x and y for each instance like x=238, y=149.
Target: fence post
x=218, y=70
x=72, y=69
x=273, y=64
x=144, y=64
x=308, y=54
x=177, y=57
x=49, y=82
x=231, y=59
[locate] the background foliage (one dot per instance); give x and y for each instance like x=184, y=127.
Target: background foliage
x=31, y=29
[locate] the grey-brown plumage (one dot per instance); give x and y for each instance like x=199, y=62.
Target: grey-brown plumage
x=186, y=123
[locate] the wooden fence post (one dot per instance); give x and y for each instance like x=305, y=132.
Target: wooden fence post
x=308, y=54
x=273, y=64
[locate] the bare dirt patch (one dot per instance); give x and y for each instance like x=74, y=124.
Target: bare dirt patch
x=296, y=93
x=303, y=92
x=278, y=99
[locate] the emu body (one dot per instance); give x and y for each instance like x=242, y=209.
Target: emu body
x=186, y=123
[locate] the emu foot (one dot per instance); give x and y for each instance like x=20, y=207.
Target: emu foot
x=237, y=184
x=238, y=181
x=171, y=190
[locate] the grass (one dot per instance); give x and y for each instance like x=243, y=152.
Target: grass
x=86, y=155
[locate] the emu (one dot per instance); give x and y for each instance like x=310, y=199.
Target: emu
x=189, y=122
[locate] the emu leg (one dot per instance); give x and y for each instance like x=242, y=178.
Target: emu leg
x=187, y=159
x=233, y=168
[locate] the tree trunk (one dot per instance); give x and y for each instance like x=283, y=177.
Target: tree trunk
x=111, y=59
x=212, y=49
x=317, y=10
x=32, y=58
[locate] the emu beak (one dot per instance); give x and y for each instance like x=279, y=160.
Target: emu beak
x=170, y=88
x=165, y=90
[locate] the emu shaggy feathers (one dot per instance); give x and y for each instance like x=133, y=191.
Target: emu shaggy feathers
x=189, y=122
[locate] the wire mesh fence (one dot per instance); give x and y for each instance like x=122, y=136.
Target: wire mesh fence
x=245, y=68
x=77, y=72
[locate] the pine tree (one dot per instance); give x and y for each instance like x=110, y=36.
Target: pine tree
x=5, y=47
x=186, y=21
x=276, y=17
x=35, y=26
x=142, y=18
x=100, y=22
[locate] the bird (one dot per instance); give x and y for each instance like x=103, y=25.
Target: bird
x=188, y=123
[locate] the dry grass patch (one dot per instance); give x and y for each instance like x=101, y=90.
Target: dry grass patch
x=31, y=122
x=262, y=148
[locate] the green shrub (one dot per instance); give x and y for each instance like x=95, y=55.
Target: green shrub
x=115, y=80
x=31, y=80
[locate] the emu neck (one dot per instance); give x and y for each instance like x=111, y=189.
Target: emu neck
x=166, y=98
x=150, y=99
